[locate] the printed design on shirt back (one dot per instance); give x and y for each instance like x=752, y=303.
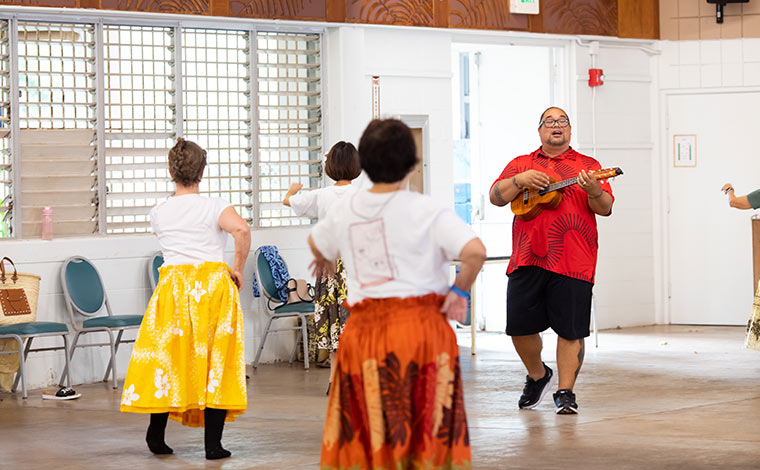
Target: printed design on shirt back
x=369, y=247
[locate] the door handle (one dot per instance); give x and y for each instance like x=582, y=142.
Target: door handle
x=481, y=208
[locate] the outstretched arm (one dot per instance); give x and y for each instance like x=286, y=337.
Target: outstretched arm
x=739, y=202
x=294, y=188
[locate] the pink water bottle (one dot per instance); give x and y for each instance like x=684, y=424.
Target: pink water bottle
x=47, y=223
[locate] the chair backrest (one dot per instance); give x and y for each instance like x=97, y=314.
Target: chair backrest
x=83, y=286
x=266, y=280
x=155, y=262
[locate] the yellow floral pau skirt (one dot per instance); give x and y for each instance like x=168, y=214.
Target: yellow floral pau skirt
x=189, y=353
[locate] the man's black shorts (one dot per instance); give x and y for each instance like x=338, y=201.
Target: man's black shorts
x=538, y=299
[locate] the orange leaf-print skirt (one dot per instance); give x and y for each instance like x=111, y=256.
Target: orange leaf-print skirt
x=397, y=400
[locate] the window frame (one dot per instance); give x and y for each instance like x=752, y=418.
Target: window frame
x=100, y=19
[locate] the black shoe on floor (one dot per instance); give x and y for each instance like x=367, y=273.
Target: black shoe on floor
x=535, y=390
x=564, y=401
x=217, y=453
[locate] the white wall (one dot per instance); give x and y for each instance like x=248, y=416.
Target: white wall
x=414, y=66
x=710, y=64
x=624, y=109
x=698, y=69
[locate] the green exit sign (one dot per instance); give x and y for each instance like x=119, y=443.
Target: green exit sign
x=523, y=7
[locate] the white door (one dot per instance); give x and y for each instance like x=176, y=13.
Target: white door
x=506, y=105
x=710, y=244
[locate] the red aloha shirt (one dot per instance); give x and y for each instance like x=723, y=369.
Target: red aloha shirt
x=562, y=240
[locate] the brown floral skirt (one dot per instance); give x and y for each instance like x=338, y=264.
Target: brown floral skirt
x=753, y=326
x=330, y=315
x=397, y=402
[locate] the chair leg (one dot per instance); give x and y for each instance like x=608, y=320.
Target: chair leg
x=261, y=346
x=116, y=350
x=22, y=358
x=21, y=367
x=66, y=371
x=295, y=347
x=113, y=358
x=305, y=338
x=66, y=357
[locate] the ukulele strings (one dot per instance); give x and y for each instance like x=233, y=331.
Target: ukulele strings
x=533, y=193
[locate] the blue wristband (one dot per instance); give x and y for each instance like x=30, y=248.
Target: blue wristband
x=460, y=292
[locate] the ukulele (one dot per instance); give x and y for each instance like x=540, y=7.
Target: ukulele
x=530, y=202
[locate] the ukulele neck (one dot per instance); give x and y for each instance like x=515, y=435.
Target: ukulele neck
x=559, y=185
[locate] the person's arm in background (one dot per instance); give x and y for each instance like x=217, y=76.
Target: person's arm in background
x=473, y=256
x=320, y=264
x=231, y=222
x=294, y=188
x=750, y=201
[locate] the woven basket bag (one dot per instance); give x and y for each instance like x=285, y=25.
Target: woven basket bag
x=12, y=282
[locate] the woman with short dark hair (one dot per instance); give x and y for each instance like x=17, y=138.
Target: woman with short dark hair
x=397, y=399
x=330, y=315
x=188, y=362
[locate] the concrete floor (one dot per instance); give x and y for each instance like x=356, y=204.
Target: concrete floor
x=660, y=397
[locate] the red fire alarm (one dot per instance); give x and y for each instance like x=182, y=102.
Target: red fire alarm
x=595, y=77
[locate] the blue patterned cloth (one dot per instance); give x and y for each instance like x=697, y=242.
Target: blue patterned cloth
x=279, y=272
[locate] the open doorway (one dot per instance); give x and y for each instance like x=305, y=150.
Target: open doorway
x=499, y=91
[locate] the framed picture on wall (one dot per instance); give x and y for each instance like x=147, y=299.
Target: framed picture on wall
x=684, y=150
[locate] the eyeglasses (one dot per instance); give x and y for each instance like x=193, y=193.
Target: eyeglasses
x=551, y=122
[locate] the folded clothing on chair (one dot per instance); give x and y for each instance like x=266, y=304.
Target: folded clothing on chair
x=280, y=273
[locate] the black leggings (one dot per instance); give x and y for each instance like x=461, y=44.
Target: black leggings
x=212, y=434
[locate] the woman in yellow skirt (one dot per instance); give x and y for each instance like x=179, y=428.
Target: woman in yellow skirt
x=397, y=400
x=188, y=361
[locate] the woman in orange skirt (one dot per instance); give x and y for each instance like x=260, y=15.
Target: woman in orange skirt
x=397, y=401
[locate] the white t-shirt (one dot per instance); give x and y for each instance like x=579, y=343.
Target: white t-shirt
x=316, y=203
x=188, y=229
x=397, y=244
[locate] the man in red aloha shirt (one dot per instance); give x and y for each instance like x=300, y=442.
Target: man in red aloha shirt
x=551, y=270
